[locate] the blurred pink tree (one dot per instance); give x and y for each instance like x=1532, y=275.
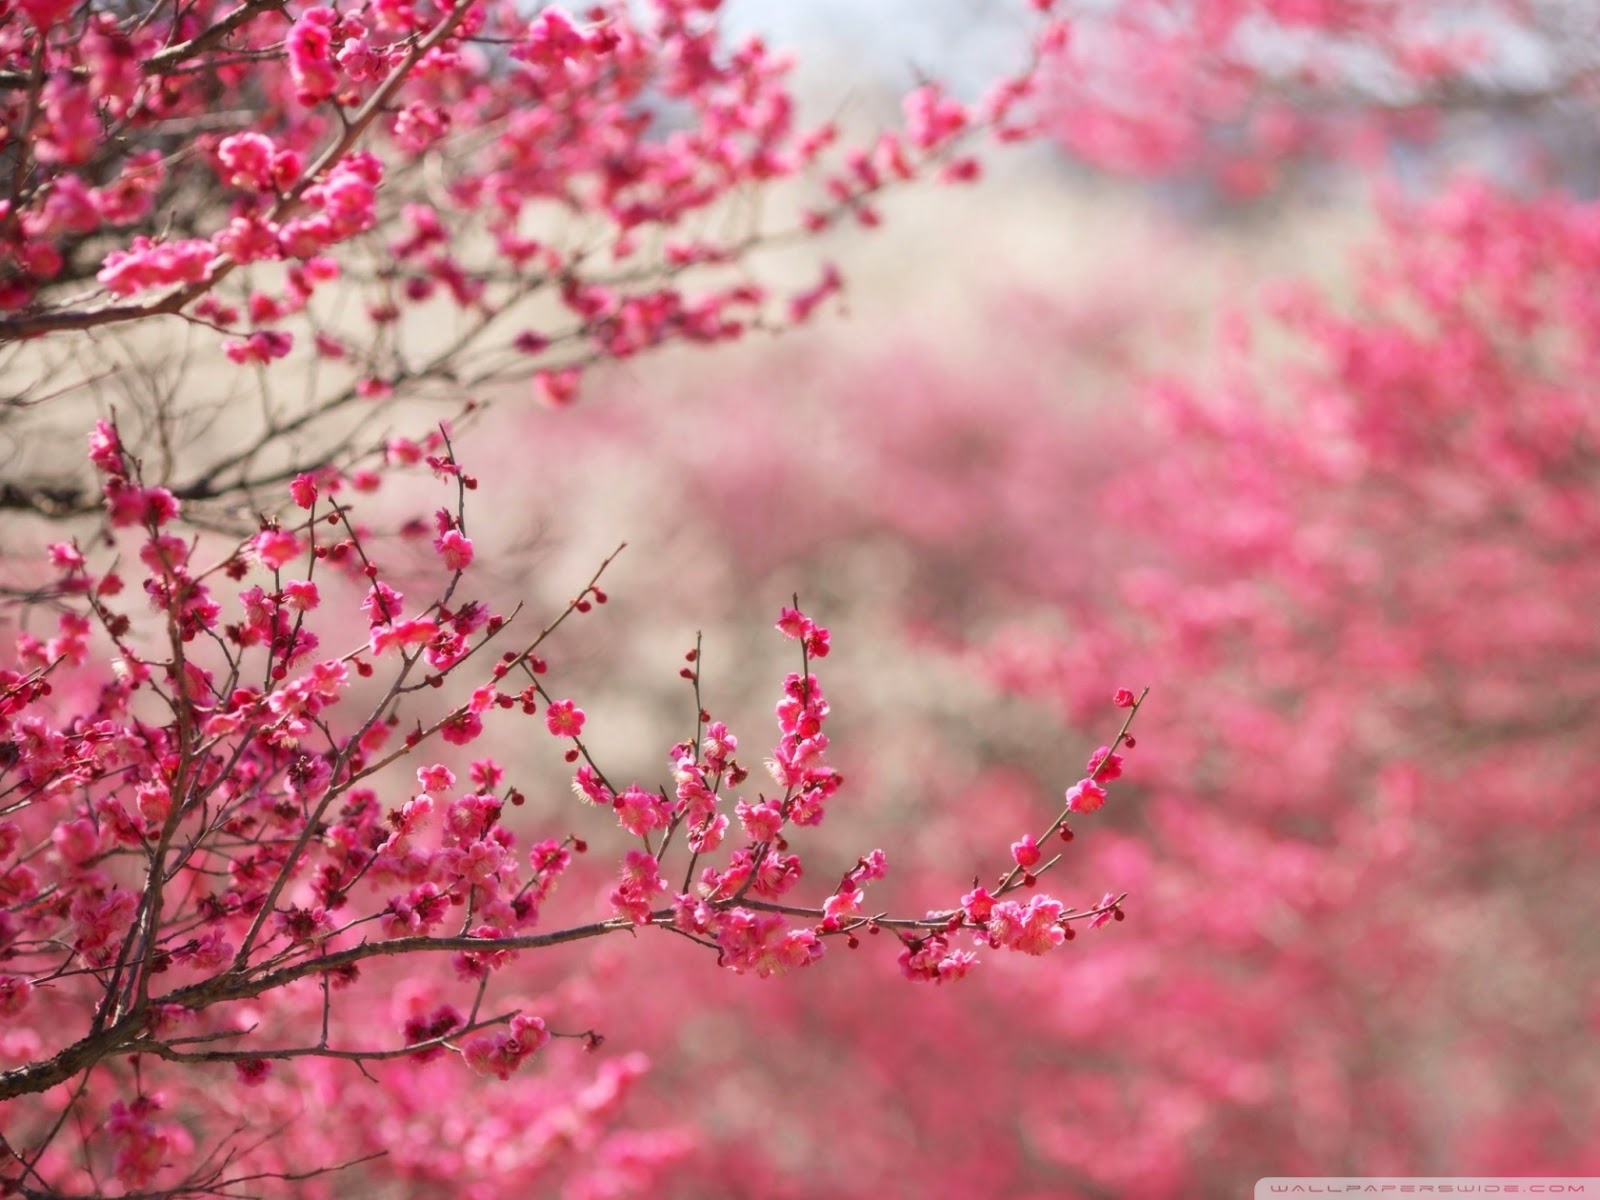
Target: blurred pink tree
x=1251, y=94
x=242, y=949
x=1358, y=549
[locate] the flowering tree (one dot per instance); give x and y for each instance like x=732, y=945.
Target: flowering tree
x=249, y=871
x=1362, y=536
x=201, y=873
x=1248, y=92
x=399, y=199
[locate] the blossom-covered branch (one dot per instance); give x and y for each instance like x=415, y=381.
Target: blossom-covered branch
x=199, y=851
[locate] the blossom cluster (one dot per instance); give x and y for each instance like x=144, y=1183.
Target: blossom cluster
x=634, y=126
x=209, y=854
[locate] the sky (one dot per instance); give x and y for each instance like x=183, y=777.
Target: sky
x=964, y=42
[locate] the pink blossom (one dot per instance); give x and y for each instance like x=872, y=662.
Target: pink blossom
x=301, y=924
x=310, y=45
x=797, y=625
x=872, y=865
x=418, y=125
x=932, y=118
x=930, y=960
x=763, y=942
x=276, y=548
x=65, y=556
x=1104, y=765
x=248, y=160
x=1107, y=913
x=260, y=348
x=436, y=779
x=761, y=822
x=640, y=812
x=1032, y=929
x=501, y=1053
x=552, y=39
x=148, y=264
x=383, y=604
x=247, y=240
x=564, y=719
x=977, y=905
x=406, y=634
x=1085, y=796
x=588, y=786
x=706, y=836
x=139, y=506
x=208, y=952
x=843, y=905
x=454, y=549
x=77, y=841
x=105, y=449
x=300, y=595
x=1026, y=852
x=558, y=388
x=144, y=1144
x=359, y=60
x=325, y=679
x=154, y=802
x=641, y=882
x=462, y=728
x=402, y=452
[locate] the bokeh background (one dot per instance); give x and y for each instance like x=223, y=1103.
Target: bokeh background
x=1302, y=441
